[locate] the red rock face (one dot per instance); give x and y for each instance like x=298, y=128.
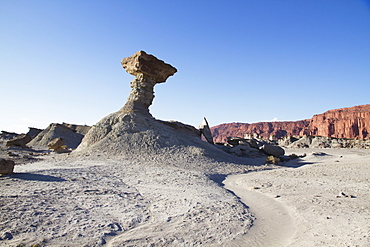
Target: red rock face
x=353, y=123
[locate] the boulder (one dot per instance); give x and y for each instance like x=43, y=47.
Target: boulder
x=206, y=131
x=272, y=160
x=234, y=140
x=6, y=166
x=20, y=141
x=273, y=150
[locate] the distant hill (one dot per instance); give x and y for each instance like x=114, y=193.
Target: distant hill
x=352, y=122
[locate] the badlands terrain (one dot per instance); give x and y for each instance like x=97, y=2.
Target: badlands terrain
x=138, y=181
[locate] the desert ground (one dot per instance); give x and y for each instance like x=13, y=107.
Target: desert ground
x=321, y=199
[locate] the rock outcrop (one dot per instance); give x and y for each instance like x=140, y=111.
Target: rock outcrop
x=251, y=148
x=263, y=129
x=57, y=145
x=132, y=132
x=80, y=129
x=6, y=166
x=353, y=122
x=33, y=132
x=273, y=150
x=148, y=71
x=206, y=131
x=19, y=141
x=55, y=130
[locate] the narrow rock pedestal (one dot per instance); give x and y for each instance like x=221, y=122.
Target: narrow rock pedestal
x=148, y=71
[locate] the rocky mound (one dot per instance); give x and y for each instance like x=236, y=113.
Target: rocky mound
x=80, y=129
x=352, y=123
x=55, y=130
x=133, y=132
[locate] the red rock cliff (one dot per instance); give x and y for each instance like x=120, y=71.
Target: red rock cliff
x=353, y=122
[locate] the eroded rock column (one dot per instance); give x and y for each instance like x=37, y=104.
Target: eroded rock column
x=148, y=71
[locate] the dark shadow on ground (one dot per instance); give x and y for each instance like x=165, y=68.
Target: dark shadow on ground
x=295, y=163
x=36, y=177
x=218, y=178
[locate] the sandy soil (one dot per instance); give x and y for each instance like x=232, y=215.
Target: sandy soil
x=320, y=200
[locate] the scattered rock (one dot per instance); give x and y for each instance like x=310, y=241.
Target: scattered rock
x=6, y=236
x=6, y=166
x=11, y=154
x=319, y=153
x=19, y=141
x=293, y=156
x=234, y=140
x=342, y=194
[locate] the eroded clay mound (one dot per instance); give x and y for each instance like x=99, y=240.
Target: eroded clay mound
x=54, y=130
x=130, y=135
x=132, y=132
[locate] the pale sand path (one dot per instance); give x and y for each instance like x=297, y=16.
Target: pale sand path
x=273, y=225
x=311, y=209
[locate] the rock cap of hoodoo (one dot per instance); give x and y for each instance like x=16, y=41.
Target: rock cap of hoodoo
x=143, y=63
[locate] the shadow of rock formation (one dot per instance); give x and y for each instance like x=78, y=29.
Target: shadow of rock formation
x=36, y=177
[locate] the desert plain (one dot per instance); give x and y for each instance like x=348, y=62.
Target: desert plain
x=319, y=200
x=138, y=181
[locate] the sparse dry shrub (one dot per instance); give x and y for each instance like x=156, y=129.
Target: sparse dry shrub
x=272, y=159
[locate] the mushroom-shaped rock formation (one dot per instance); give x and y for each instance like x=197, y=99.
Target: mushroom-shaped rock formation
x=132, y=132
x=148, y=71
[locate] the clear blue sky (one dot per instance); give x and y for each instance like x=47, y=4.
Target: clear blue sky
x=238, y=61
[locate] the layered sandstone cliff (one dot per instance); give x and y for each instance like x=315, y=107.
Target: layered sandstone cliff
x=353, y=123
